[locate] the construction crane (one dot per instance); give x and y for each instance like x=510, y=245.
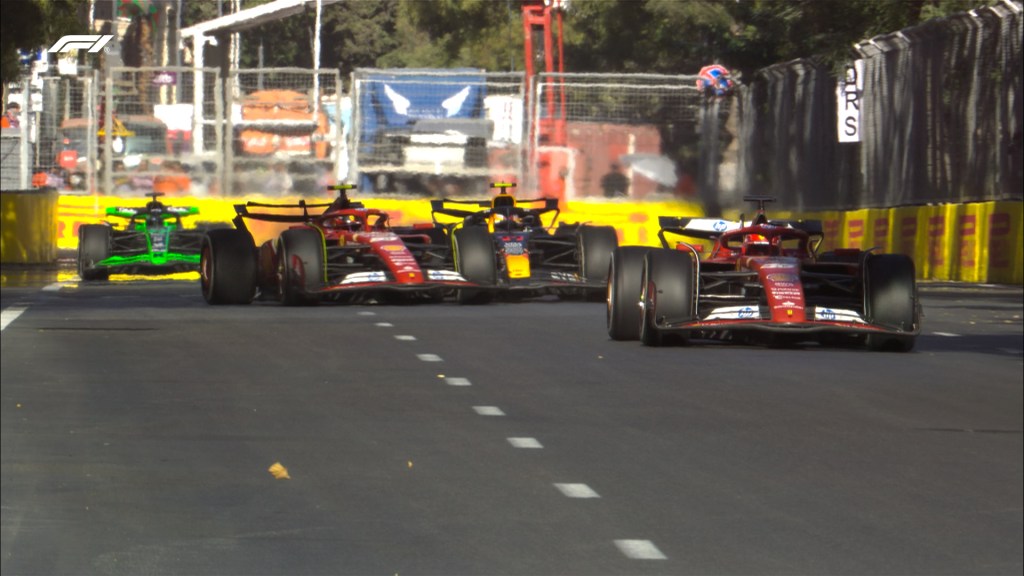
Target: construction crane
x=542, y=34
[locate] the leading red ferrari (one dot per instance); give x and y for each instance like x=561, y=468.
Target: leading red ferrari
x=761, y=282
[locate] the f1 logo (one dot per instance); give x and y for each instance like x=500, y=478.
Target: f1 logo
x=91, y=42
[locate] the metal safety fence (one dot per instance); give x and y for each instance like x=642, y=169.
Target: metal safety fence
x=165, y=128
x=285, y=131
x=616, y=135
x=940, y=120
x=436, y=132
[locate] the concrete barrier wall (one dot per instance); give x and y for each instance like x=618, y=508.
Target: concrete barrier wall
x=28, y=234
x=977, y=242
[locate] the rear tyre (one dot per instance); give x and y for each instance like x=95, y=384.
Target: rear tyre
x=667, y=292
x=227, y=267
x=475, y=261
x=891, y=300
x=301, y=265
x=624, y=313
x=93, y=248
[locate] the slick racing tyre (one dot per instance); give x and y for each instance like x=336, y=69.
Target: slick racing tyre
x=227, y=267
x=891, y=300
x=596, y=244
x=301, y=264
x=93, y=247
x=475, y=261
x=666, y=292
x=624, y=314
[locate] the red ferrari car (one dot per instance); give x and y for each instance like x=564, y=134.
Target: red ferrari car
x=346, y=253
x=761, y=282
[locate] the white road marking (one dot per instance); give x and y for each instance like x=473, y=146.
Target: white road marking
x=367, y=313
x=577, y=490
x=488, y=410
x=524, y=443
x=55, y=287
x=405, y=337
x=458, y=381
x=10, y=315
x=946, y=334
x=640, y=550
x=429, y=357
x=384, y=324
x=1011, y=351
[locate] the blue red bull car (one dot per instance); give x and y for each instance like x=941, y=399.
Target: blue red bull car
x=512, y=247
x=761, y=282
x=340, y=251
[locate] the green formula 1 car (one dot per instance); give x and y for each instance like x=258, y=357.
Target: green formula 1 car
x=153, y=241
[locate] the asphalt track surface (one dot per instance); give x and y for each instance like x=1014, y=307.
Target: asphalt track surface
x=139, y=426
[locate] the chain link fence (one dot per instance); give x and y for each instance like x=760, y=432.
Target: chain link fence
x=286, y=131
x=165, y=128
x=940, y=122
x=51, y=105
x=436, y=132
x=941, y=118
x=633, y=136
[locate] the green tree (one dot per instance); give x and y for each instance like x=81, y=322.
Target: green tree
x=458, y=33
x=34, y=24
x=137, y=44
x=616, y=36
x=766, y=32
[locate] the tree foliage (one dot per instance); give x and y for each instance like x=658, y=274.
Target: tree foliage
x=655, y=36
x=34, y=24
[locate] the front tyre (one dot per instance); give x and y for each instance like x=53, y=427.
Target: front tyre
x=473, y=247
x=227, y=267
x=666, y=292
x=624, y=313
x=890, y=298
x=93, y=248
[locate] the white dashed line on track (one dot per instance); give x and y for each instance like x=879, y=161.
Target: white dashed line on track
x=640, y=550
x=946, y=334
x=453, y=381
x=524, y=443
x=366, y=313
x=55, y=287
x=488, y=410
x=384, y=324
x=10, y=315
x=429, y=357
x=405, y=337
x=577, y=490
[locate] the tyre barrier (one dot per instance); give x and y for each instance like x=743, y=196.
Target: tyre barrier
x=30, y=226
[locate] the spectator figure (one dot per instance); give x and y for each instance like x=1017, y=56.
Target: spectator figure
x=173, y=181
x=10, y=118
x=279, y=182
x=615, y=184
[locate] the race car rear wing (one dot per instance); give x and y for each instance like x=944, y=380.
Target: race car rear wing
x=712, y=228
x=165, y=211
x=535, y=206
x=242, y=212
